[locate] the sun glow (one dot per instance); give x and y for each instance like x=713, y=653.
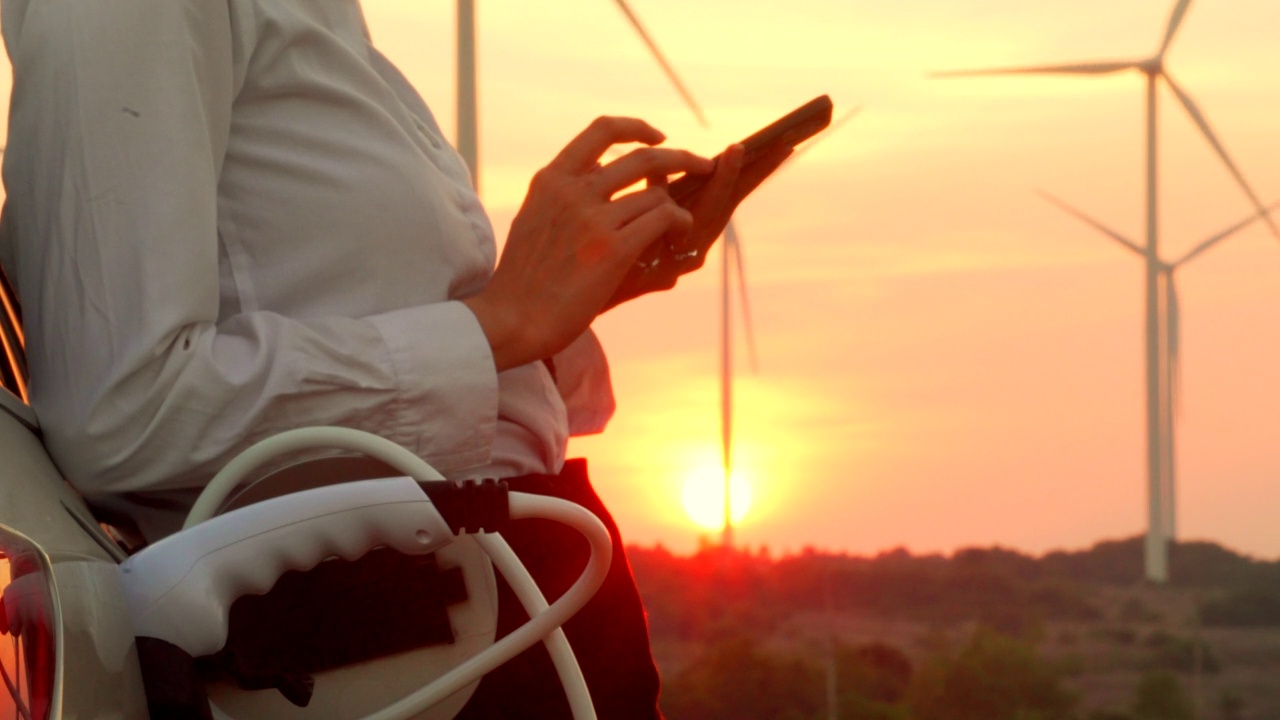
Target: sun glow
x=703, y=497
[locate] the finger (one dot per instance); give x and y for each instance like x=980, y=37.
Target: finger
x=648, y=227
x=627, y=208
x=717, y=193
x=690, y=261
x=713, y=206
x=664, y=277
x=649, y=162
x=583, y=151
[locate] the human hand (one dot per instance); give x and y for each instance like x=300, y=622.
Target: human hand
x=572, y=241
x=660, y=266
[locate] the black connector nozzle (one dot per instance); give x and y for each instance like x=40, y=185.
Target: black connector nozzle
x=471, y=506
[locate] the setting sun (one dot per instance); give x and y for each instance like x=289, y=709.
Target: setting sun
x=703, y=497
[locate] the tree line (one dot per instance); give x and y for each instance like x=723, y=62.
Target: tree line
x=728, y=608
x=712, y=592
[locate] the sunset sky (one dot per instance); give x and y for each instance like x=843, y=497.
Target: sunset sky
x=945, y=359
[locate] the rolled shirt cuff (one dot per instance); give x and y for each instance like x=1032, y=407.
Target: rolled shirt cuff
x=447, y=412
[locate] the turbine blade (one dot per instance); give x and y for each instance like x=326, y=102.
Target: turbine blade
x=1214, y=240
x=1198, y=117
x=662, y=60
x=1175, y=21
x=735, y=243
x=1126, y=242
x=1089, y=68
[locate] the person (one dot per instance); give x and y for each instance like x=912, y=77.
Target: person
x=226, y=219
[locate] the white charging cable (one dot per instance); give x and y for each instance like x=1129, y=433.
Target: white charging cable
x=545, y=621
x=535, y=603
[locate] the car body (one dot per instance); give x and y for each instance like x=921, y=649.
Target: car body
x=95, y=670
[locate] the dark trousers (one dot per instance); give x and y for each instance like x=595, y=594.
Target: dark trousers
x=610, y=635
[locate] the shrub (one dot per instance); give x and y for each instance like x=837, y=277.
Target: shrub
x=1159, y=696
x=1252, y=607
x=736, y=680
x=1169, y=652
x=993, y=677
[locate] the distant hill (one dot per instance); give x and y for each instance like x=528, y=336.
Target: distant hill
x=1191, y=564
x=986, y=633
x=710, y=592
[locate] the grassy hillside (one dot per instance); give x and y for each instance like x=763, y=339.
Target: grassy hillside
x=1093, y=640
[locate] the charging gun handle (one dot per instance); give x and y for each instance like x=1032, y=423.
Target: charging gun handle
x=181, y=588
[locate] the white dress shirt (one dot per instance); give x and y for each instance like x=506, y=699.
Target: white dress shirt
x=230, y=218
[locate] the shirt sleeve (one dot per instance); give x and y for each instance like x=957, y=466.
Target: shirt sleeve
x=583, y=380
x=119, y=123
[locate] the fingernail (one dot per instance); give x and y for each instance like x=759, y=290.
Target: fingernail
x=738, y=153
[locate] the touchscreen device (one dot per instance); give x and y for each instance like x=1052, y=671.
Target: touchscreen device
x=787, y=131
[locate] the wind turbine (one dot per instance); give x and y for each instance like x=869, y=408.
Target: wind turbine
x=731, y=262
x=732, y=269
x=1158, y=453
x=1172, y=333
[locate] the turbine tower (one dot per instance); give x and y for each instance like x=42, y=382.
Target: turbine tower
x=468, y=140
x=731, y=262
x=1159, y=451
x=732, y=269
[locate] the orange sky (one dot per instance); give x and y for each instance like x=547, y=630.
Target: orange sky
x=945, y=359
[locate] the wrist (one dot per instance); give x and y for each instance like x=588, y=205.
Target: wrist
x=504, y=331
